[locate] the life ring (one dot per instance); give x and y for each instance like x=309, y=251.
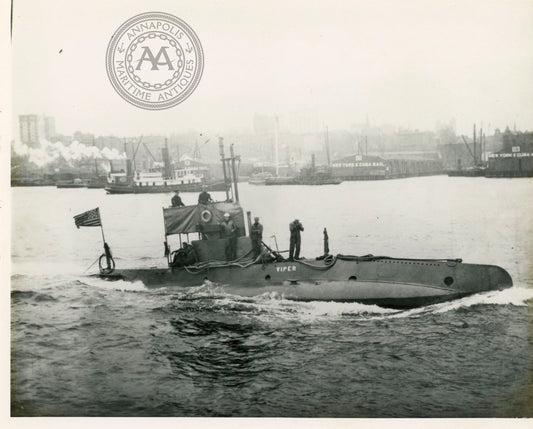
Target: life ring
x=106, y=264
x=206, y=216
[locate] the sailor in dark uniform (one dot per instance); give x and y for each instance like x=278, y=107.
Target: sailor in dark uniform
x=204, y=197
x=184, y=256
x=294, y=250
x=256, y=235
x=229, y=232
x=176, y=200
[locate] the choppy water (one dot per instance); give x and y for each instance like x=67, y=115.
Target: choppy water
x=85, y=347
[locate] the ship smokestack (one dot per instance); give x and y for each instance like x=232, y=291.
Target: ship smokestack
x=129, y=170
x=167, y=170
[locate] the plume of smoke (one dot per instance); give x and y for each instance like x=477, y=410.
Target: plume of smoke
x=49, y=152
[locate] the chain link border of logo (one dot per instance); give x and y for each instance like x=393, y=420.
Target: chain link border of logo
x=154, y=105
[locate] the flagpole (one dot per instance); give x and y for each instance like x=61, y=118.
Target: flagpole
x=101, y=226
x=107, y=250
x=102, y=229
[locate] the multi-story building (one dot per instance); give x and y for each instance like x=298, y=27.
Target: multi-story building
x=49, y=127
x=29, y=130
x=35, y=127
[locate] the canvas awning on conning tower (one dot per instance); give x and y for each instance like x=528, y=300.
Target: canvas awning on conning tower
x=184, y=220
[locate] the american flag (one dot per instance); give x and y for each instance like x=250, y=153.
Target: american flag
x=89, y=218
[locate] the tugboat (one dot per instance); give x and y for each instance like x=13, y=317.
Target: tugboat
x=168, y=180
x=156, y=183
x=381, y=280
x=312, y=175
x=260, y=178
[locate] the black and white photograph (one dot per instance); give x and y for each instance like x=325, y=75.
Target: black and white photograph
x=313, y=213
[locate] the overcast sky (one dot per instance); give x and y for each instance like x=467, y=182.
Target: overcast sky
x=405, y=63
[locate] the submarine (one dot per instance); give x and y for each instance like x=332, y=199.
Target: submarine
x=398, y=283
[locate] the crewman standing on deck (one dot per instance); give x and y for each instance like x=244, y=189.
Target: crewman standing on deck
x=256, y=235
x=294, y=250
x=229, y=232
x=176, y=200
x=204, y=197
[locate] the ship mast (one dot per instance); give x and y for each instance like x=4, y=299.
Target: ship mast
x=480, y=157
x=475, y=155
x=235, y=178
x=221, y=148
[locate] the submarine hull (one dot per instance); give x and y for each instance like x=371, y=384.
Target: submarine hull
x=387, y=282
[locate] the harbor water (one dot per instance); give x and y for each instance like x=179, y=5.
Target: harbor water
x=82, y=346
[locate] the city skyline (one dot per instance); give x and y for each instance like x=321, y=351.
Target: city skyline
x=407, y=65
x=261, y=125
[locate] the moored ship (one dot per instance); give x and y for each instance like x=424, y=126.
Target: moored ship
x=312, y=175
x=477, y=171
x=259, y=178
x=76, y=183
x=150, y=184
x=185, y=179
x=479, y=167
